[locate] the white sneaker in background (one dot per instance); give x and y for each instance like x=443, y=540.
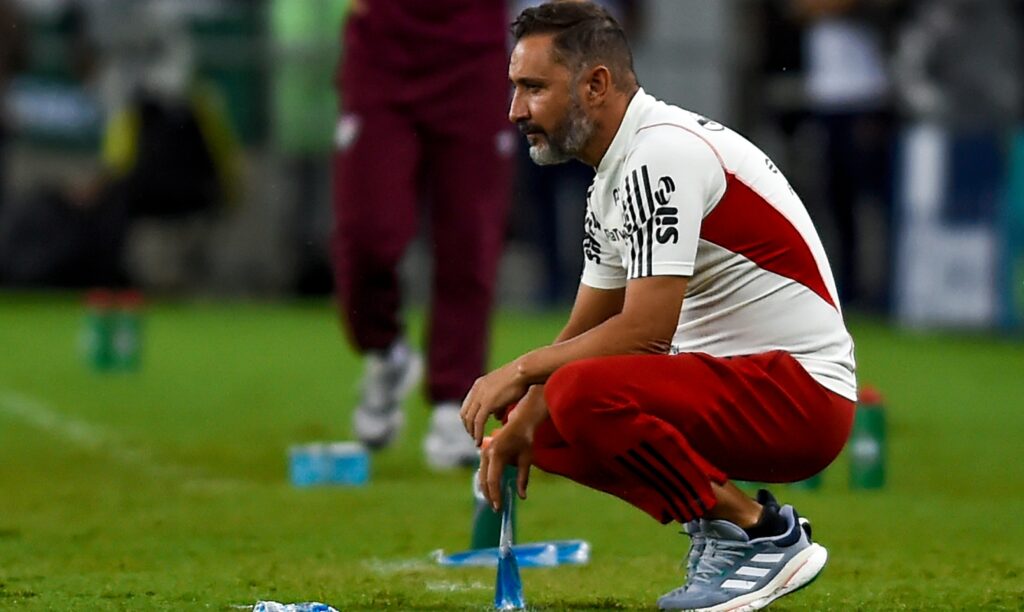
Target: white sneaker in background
x=447, y=444
x=388, y=377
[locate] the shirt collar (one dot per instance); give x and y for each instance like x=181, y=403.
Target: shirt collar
x=630, y=123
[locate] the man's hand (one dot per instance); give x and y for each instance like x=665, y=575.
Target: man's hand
x=510, y=445
x=490, y=394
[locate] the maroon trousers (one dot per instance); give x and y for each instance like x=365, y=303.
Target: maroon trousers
x=657, y=430
x=407, y=144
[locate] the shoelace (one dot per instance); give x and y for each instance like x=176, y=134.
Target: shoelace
x=719, y=555
x=697, y=543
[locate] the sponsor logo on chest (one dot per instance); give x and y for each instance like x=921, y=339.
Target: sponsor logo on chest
x=645, y=204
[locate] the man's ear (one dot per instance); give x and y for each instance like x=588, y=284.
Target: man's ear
x=598, y=84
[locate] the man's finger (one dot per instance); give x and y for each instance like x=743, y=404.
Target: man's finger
x=523, y=477
x=481, y=475
x=479, y=424
x=494, y=469
x=466, y=412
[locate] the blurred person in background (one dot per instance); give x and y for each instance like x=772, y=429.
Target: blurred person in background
x=12, y=59
x=706, y=343
x=958, y=64
x=423, y=94
x=959, y=83
x=171, y=157
x=846, y=50
x=45, y=239
x=554, y=194
x=168, y=156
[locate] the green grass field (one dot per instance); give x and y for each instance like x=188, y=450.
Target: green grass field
x=167, y=489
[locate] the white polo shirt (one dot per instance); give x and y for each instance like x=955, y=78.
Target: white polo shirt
x=678, y=194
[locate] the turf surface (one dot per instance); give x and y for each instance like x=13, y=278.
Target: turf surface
x=167, y=488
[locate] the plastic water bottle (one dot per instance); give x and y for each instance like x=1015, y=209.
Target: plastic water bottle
x=867, y=442
x=810, y=484
x=329, y=463
x=126, y=332
x=487, y=522
x=306, y=606
x=486, y=531
x=508, y=584
x=97, y=330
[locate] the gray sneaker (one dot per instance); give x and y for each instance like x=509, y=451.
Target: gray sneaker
x=694, y=529
x=738, y=574
x=387, y=378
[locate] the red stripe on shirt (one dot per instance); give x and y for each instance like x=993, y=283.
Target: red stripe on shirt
x=746, y=224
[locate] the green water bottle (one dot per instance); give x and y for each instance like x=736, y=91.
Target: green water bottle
x=1012, y=223
x=487, y=522
x=126, y=332
x=867, y=450
x=97, y=330
x=809, y=484
x=1016, y=309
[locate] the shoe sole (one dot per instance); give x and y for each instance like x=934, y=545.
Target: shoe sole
x=805, y=573
x=799, y=572
x=396, y=421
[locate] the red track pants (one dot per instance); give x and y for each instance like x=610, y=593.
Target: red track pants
x=657, y=430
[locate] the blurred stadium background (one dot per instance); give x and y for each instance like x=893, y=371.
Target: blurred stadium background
x=898, y=122
x=888, y=105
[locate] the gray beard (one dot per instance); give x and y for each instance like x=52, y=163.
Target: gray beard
x=567, y=140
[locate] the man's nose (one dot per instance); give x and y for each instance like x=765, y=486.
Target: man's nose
x=517, y=110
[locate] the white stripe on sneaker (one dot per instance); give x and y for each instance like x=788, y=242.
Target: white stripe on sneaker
x=756, y=572
x=745, y=585
x=767, y=558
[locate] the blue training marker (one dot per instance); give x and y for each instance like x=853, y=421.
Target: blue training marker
x=533, y=554
x=508, y=590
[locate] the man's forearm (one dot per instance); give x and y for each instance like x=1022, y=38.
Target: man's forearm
x=577, y=344
x=618, y=335
x=532, y=407
x=644, y=323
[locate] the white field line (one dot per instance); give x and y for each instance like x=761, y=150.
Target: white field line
x=93, y=438
x=387, y=567
x=455, y=587
x=397, y=566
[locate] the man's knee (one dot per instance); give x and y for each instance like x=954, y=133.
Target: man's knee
x=573, y=393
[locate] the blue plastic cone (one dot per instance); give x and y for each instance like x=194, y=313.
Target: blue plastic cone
x=508, y=590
